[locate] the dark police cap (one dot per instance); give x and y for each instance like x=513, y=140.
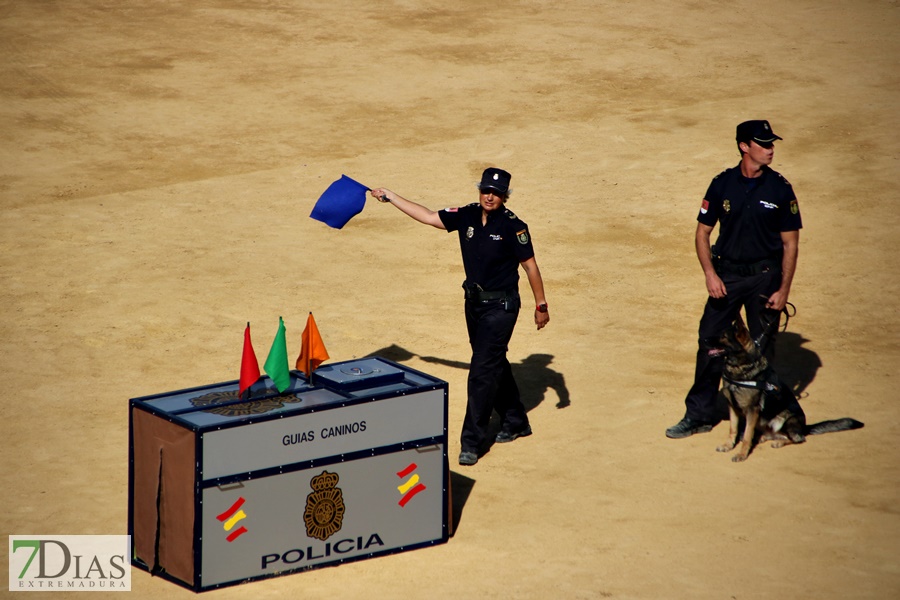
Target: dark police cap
x=495, y=179
x=758, y=131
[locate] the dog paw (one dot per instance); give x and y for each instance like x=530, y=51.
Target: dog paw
x=739, y=458
x=725, y=448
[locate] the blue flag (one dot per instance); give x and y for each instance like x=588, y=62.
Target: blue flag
x=344, y=199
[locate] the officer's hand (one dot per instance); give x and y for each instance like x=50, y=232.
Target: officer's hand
x=715, y=286
x=381, y=194
x=777, y=301
x=541, y=319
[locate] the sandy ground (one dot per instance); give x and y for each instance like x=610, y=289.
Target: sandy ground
x=158, y=162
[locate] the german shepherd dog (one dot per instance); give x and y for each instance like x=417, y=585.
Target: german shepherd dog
x=756, y=394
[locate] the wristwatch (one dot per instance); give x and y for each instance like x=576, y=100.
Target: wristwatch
x=541, y=308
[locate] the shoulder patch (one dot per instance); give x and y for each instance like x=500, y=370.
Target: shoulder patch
x=522, y=236
x=452, y=209
x=780, y=176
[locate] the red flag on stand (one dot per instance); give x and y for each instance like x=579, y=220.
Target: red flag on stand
x=312, y=352
x=249, y=364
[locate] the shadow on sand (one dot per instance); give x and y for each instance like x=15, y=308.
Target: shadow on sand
x=533, y=376
x=797, y=366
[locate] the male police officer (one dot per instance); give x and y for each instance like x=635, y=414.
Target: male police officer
x=494, y=242
x=751, y=265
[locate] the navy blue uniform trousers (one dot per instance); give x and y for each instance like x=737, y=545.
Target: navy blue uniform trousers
x=491, y=385
x=752, y=292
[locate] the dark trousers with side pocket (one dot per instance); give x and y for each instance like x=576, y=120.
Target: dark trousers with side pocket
x=751, y=293
x=491, y=385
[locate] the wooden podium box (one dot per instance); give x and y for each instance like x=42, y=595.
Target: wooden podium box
x=350, y=466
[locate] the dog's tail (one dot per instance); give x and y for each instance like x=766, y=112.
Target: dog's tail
x=844, y=424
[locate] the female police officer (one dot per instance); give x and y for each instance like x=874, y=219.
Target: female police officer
x=494, y=242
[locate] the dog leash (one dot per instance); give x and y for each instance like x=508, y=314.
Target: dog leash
x=788, y=313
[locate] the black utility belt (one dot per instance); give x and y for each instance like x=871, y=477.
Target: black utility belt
x=727, y=267
x=476, y=294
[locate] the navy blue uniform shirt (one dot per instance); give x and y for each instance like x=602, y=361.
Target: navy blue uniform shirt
x=491, y=253
x=752, y=214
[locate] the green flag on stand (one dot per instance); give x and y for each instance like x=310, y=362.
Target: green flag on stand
x=277, y=362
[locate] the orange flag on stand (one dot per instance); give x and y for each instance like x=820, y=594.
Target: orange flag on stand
x=312, y=352
x=249, y=365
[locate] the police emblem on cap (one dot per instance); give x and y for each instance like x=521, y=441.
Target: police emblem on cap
x=758, y=130
x=726, y=206
x=495, y=179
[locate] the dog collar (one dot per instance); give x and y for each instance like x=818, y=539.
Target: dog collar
x=756, y=385
x=745, y=384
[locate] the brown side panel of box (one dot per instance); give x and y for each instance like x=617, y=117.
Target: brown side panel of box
x=163, y=495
